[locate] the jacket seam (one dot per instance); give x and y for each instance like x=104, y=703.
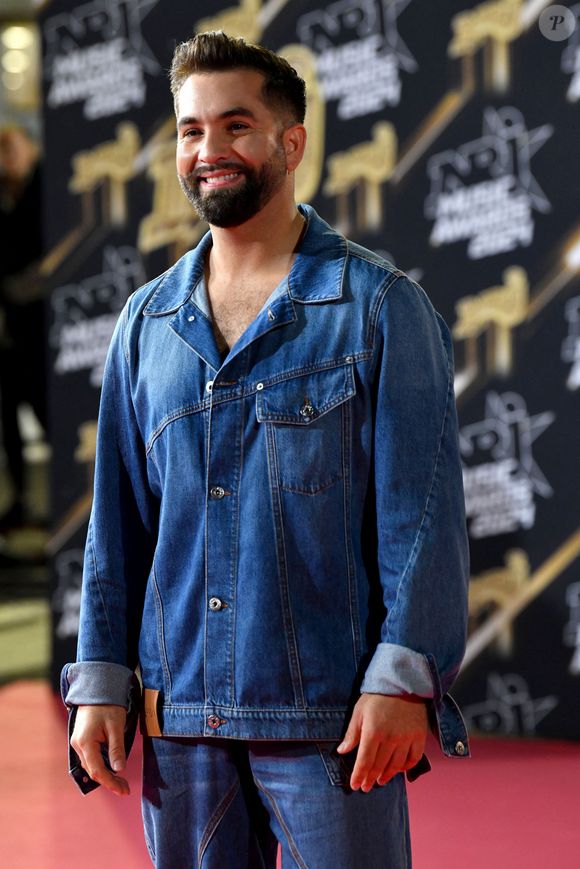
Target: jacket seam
x=434, y=475
x=98, y=583
x=249, y=390
x=384, y=266
x=375, y=311
x=291, y=641
x=161, y=635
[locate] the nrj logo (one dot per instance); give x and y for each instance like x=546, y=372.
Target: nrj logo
x=500, y=476
x=359, y=53
x=509, y=707
x=571, y=344
x=96, y=55
x=571, y=57
x=484, y=192
x=85, y=313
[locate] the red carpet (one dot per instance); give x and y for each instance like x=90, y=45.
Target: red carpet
x=514, y=805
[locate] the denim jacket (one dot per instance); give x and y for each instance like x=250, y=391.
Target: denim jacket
x=281, y=527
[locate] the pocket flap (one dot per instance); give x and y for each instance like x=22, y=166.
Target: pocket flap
x=301, y=400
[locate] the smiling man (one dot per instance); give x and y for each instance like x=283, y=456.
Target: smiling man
x=277, y=538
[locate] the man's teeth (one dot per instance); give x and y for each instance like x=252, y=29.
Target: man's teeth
x=217, y=178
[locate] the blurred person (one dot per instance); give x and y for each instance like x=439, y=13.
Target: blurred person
x=277, y=537
x=22, y=338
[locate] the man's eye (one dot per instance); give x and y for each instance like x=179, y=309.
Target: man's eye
x=238, y=126
x=189, y=134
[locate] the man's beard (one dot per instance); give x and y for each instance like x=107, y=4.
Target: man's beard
x=233, y=206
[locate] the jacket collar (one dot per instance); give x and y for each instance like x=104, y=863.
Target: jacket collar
x=316, y=275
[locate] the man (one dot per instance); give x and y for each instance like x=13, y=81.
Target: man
x=277, y=537
x=22, y=340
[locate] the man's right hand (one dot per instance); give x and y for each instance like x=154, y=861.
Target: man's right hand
x=95, y=726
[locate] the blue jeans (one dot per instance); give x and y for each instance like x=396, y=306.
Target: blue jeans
x=225, y=804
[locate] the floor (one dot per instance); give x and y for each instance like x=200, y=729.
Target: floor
x=513, y=805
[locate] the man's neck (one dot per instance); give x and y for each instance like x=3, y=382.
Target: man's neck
x=263, y=245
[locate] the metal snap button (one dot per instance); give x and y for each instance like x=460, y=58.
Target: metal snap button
x=460, y=748
x=217, y=492
x=209, y=385
x=259, y=385
x=271, y=314
x=349, y=359
x=307, y=410
x=191, y=318
x=214, y=721
x=216, y=604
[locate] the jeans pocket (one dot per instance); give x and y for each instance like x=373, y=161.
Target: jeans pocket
x=338, y=767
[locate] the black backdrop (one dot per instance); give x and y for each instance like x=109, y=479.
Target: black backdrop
x=443, y=135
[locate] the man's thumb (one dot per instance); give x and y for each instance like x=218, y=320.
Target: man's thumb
x=352, y=736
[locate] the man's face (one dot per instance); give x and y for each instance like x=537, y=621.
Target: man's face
x=17, y=154
x=231, y=159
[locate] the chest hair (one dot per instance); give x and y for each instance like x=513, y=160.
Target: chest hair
x=232, y=313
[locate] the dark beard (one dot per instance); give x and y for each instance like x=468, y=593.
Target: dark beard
x=228, y=208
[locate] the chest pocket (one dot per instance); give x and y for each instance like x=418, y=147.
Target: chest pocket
x=307, y=419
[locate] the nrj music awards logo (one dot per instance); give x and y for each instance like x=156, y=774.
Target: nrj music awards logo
x=85, y=313
x=484, y=192
x=96, y=55
x=571, y=57
x=509, y=707
x=571, y=344
x=501, y=477
x=359, y=53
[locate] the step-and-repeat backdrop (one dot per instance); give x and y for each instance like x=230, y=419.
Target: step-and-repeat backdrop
x=442, y=135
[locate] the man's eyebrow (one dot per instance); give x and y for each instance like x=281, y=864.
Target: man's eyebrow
x=235, y=111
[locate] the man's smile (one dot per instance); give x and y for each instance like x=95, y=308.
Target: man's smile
x=219, y=179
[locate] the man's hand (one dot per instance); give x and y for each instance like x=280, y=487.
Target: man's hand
x=95, y=726
x=392, y=732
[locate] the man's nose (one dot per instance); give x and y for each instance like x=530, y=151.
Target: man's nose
x=214, y=146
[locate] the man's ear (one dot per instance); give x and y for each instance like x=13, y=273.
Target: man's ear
x=294, y=139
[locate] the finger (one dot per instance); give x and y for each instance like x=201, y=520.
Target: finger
x=367, y=752
x=395, y=765
x=414, y=755
x=95, y=766
x=381, y=762
x=352, y=735
x=116, y=744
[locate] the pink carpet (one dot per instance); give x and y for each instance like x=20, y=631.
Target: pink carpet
x=514, y=805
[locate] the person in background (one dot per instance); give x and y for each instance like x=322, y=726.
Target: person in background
x=22, y=333
x=278, y=534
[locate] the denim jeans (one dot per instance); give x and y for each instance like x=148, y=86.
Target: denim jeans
x=225, y=804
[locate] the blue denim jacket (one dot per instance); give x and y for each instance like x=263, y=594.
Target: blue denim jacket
x=279, y=528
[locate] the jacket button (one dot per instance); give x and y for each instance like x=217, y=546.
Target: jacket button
x=217, y=492
x=216, y=604
x=209, y=385
x=459, y=748
x=214, y=721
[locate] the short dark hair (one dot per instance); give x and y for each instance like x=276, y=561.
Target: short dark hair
x=215, y=51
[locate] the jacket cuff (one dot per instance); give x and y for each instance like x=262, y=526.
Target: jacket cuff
x=397, y=670
x=95, y=682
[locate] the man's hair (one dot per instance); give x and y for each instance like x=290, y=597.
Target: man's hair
x=215, y=51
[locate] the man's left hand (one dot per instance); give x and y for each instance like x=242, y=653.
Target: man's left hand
x=392, y=732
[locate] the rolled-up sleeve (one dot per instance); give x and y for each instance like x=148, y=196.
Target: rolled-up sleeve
x=120, y=542
x=422, y=549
